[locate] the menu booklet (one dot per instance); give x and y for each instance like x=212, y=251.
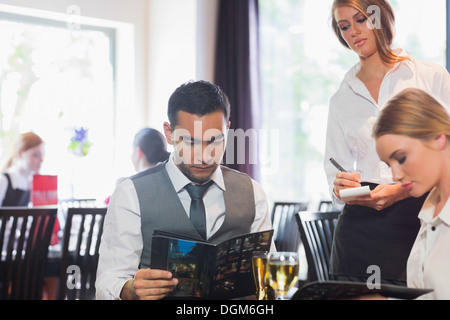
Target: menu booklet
x=209, y=271
x=44, y=192
x=339, y=290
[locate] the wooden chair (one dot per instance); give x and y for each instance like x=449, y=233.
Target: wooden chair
x=316, y=231
x=82, y=233
x=25, y=235
x=286, y=235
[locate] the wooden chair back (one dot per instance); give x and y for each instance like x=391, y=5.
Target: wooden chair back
x=286, y=236
x=317, y=231
x=25, y=235
x=80, y=250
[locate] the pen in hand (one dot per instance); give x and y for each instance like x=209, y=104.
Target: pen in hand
x=341, y=169
x=337, y=165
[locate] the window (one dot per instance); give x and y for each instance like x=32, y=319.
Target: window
x=57, y=79
x=421, y=29
x=302, y=65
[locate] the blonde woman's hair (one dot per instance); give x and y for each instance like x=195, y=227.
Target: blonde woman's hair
x=413, y=113
x=25, y=142
x=384, y=35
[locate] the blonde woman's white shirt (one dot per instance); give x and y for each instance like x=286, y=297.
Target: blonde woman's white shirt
x=353, y=113
x=429, y=262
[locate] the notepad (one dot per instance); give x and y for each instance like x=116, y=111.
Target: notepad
x=354, y=193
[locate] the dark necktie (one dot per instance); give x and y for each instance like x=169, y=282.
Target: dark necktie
x=197, y=211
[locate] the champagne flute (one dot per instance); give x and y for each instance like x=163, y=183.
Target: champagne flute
x=282, y=268
x=259, y=261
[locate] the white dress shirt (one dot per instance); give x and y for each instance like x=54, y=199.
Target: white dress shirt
x=121, y=244
x=429, y=262
x=18, y=181
x=353, y=113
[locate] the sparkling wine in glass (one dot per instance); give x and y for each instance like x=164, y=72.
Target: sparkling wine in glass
x=282, y=268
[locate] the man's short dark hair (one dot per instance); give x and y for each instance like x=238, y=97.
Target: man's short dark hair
x=199, y=98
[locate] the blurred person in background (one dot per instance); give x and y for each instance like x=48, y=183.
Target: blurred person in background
x=16, y=181
x=149, y=149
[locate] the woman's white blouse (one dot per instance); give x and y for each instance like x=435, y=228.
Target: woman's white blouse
x=429, y=262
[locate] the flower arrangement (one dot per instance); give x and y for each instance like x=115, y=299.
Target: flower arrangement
x=79, y=144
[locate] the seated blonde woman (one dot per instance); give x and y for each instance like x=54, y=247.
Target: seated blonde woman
x=413, y=138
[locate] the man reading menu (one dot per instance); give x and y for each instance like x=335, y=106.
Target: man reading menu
x=231, y=203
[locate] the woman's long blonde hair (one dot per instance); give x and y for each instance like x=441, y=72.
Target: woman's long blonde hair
x=413, y=113
x=26, y=141
x=384, y=35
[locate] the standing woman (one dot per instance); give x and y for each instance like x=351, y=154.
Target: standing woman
x=379, y=229
x=413, y=138
x=15, y=182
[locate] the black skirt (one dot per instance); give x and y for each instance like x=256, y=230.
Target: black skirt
x=366, y=237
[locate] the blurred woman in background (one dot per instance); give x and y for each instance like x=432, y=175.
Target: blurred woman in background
x=15, y=182
x=149, y=149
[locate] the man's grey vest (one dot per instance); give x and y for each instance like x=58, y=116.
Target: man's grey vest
x=161, y=208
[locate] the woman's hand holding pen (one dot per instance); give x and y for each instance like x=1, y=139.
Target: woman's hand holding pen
x=383, y=196
x=345, y=180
